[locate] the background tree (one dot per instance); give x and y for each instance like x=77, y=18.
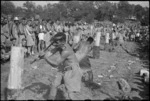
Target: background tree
x=79, y=11
x=7, y=7
x=31, y=7
x=138, y=12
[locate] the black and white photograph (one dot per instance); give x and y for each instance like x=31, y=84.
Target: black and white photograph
x=74, y=50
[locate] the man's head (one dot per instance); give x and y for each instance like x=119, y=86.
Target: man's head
x=29, y=22
x=24, y=42
x=36, y=21
x=9, y=17
x=24, y=21
x=90, y=40
x=16, y=20
x=3, y=21
x=59, y=39
x=44, y=22
x=13, y=41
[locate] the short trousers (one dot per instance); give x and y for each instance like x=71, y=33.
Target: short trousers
x=41, y=36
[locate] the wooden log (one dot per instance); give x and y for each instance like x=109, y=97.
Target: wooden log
x=97, y=39
x=16, y=68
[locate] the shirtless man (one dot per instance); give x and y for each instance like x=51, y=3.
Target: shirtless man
x=82, y=51
x=73, y=74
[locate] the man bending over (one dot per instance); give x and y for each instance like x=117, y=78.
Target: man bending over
x=82, y=51
x=72, y=74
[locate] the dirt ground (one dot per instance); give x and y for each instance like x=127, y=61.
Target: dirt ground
x=109, y=71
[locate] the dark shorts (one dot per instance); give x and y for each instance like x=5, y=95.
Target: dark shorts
x=85, y=63
x=96, y=52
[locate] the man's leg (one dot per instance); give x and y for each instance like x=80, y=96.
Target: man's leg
x=55, y=84
x=39, y=44
x=42, y=45
x=90, y=73
x=86, y=67
x=29, y=50
x=88, y=76
x=36, y=43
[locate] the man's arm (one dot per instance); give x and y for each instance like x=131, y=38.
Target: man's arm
x=91, y=48
x=76, y=47
x=60, y=59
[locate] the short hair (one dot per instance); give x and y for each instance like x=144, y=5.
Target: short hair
x=52, y=22
x=13, y=39
x=60, y=36
x=23, y=18
x=90, y=39
x=24, y=39
x=78, y=28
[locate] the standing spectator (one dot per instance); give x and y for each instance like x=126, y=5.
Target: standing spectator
x=121, y=41
x=15, y=30
x=41, y=35
x=30, y=41
x=36, y=30
x=48, y=33
x=96, y=48
x=22, y=29
x=106, y=38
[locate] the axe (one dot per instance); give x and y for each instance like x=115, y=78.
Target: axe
x=40, y=57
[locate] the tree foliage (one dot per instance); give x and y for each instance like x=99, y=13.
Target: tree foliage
x=79, y=10
x=7, y=7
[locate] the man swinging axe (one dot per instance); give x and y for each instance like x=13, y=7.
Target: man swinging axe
x=72, y=74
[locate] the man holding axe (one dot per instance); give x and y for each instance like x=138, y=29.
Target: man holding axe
x=72, y=73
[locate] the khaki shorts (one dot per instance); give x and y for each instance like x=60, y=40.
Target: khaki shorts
x=72, y=80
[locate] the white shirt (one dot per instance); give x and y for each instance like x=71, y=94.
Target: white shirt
x=107, y=38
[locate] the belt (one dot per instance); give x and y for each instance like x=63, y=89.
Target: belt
x=73, y=92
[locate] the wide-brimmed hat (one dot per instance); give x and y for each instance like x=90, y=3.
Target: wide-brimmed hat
x=16, y=18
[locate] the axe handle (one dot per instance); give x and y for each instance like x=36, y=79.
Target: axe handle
x=48, y=47
x=42, y=56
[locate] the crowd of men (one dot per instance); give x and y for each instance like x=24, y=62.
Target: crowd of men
x=74, y=42
x=34, y=34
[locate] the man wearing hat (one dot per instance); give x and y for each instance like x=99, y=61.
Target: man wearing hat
x=15, y=30
x=22, y=26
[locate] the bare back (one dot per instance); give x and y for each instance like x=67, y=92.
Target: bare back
x=71, y=59
x=72, y=78
x=83, y=50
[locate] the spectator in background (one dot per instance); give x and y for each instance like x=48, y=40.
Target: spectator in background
x=36, y=30
x=41, y=35
x=22, y=26
x=106, y=38
x=16, y=30
x=48, y=34
x=30, y=40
